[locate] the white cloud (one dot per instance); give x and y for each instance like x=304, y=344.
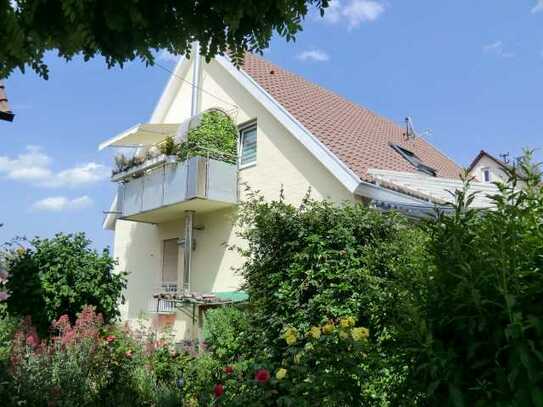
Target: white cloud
x=81, y=175
x=167, y=56
x=313, y=55
x=34, y=166
x=354, y=12
x=538, y=7
x=497, y=48
x=61, y=203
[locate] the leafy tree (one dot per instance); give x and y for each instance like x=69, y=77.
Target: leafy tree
x=124, y=30
x=59, y=276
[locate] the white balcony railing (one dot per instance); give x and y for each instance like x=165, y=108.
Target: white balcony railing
x=161, y=302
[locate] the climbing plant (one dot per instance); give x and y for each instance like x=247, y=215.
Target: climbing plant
x=216, y=137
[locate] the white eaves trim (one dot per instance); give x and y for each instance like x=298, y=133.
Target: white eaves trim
x=343, y=173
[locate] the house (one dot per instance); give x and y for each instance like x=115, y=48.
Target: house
x=487, y=168
x=172, y=219
x=5, y=112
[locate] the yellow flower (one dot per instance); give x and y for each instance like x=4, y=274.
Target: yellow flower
x=308, y=346
x=347, y=322
x=297, y=358
x=291, y=339
x=281, y=373
x=315, y=332
x=360, y=334
x=328, y=328
x=291, y=331
x=343, y=334
x=291, y=335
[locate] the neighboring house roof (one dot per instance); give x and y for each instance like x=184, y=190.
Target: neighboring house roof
x=357, y=136
x=5, y=112
x=433, y=189
x=482, y=154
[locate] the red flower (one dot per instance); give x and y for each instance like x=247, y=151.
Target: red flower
x=228, y=370
x=262, y=375
x=218, y=390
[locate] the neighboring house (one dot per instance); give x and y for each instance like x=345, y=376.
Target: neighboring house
x=5, y=112
x=172, y=219
x=487, y=168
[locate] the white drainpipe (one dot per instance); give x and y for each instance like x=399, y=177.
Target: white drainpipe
x=195, y=78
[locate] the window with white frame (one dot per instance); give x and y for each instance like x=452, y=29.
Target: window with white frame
x=486, y=174
x=247, y=152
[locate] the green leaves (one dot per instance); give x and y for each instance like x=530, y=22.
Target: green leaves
x=59, y=276
x=124, y=31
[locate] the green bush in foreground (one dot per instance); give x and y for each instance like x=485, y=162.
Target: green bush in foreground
x=479, y=336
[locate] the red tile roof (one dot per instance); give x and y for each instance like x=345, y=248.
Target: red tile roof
x=5, y=112
x=357, y=136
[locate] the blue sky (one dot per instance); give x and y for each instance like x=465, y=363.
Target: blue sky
x=470, y=72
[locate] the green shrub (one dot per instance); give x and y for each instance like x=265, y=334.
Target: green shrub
x=168, y=146
x=59, y=276
x=319, y=262
x=479, y=341
x=224, y=330
x=216, y=136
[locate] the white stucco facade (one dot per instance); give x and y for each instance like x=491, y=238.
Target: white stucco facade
x=494, y=170
x=282, y=163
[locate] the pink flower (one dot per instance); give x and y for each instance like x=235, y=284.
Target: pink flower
x=218, y=390
x=3, y=296
x=110, y=338
x=128, y=354
x=262, y=375
x=32, y=340
x=3, y=276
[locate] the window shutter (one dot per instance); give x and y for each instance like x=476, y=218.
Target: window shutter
x=170, y=259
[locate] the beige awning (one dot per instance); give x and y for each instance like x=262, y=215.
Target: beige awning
x=142, y=135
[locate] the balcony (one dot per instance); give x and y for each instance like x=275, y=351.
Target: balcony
x=162, y=188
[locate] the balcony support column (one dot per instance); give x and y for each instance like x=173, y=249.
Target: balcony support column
x=187, y=258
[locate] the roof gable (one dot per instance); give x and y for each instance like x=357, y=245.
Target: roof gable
x=358, y=137
x=482, y=154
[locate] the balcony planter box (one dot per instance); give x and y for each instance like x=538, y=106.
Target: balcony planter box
x=146, y=165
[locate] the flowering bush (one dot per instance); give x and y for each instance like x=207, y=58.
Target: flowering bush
x=89, y=364
x=319, y=367
x=315, y=265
